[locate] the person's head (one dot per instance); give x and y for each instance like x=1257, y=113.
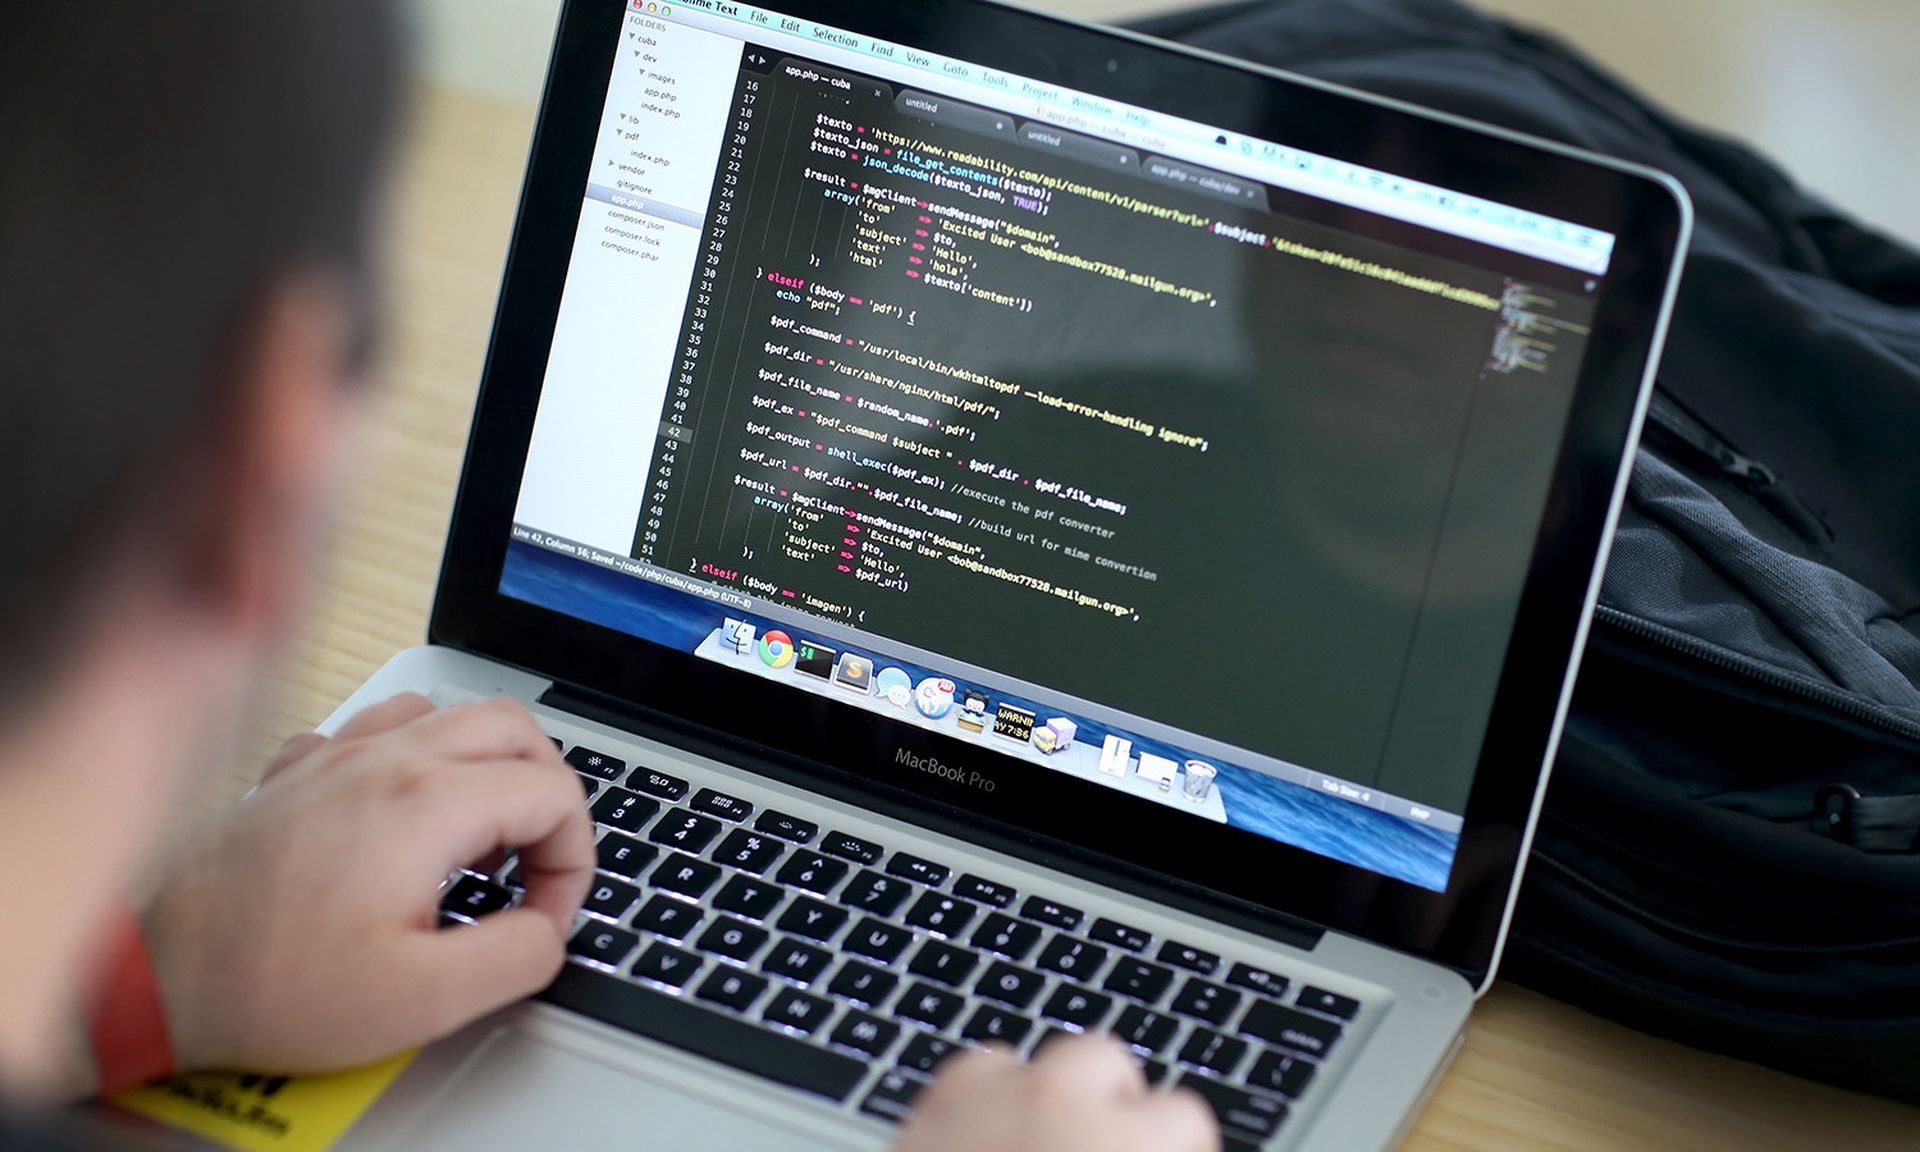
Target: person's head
x=187, y=196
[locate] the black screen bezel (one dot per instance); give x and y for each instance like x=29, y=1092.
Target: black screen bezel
x=1459, y=928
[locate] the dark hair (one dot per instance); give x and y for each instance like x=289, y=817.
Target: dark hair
x=162, y=168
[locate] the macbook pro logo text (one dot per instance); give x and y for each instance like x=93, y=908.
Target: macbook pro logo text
x=933, y=766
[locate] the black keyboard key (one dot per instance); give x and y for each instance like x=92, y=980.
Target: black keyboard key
x=863, y=983
x=1144, y=1031
x=587, y=762
x=667, y=917
x=852, y=848
x=1004, y=936
x=735, y=1043
x=871, y=892
x=1119, y=935
x=801, y=963
x=1073, y=958
x=878, y=940
x=942, y=915
x=1188, y=957
x=1009, y=985
x=720, y=804
x=559, y=745
x=589, y=785
x=795, y=1010
x=865, y=1034
x=985, y=891
x=1155, y=1071
x=919, y=870
x=603, y=945
x=624, y=811
x=990, y=1023
x=471, y=898
x=1212, y=1051
x=811, y=918
x=1329, y=1003
x=687, y=831
x=924, y=1054
x=1204, y=1001
x=610, y=898
x=786, y=827
x=1240, y=1112
x=928, y=1005
x=1048, y=912
x=625, y=857
x=683, y=874
x=1138, y=979
x=668, y=788
x=1290, y=1028
x=748, y=851
x=745, y=896
x=1257, y=980
x=668, y=966
x=811, y=871
x=892, y=1098
x=732, y=939
x=1081, y=1007
x=943, y=962
x=1282, y=1073
x=732, y=988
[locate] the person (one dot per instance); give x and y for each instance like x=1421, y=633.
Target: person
x=187, y=199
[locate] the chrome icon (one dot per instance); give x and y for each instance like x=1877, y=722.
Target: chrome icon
x=776, y=649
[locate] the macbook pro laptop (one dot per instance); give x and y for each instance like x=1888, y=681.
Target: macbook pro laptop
x=1022, y=529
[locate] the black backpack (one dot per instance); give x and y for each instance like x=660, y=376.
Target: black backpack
x=1730, y=852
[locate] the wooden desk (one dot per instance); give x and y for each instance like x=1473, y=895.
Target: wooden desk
x=1533, y=1075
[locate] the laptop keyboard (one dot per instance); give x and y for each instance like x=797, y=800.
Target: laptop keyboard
x=830, y=964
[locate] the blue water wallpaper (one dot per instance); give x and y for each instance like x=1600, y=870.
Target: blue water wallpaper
x=1265, y=805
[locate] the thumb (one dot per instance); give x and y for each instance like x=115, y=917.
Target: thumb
x=475, y=969
x=297, y=748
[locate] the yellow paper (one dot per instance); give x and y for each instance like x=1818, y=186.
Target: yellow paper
x=265, y=1114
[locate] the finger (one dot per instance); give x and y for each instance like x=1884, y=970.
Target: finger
x=1097, y=1067
x=385, y=716
x=496, y=729
x=472, y=809
x=297, y=748
x=962, y=1075
x=492, y=864
x=1176, y=1121
x=558, y=870
x=471, y=970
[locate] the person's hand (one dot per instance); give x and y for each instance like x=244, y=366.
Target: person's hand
x=303, y=935
x=1079, y=1092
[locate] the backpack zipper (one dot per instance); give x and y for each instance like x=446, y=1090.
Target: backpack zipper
x=1830, y=698
x=1687, y=432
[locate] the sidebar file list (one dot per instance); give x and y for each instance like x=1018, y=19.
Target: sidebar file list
x=635, y=253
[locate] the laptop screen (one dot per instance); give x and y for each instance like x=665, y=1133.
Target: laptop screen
x=1195, y=466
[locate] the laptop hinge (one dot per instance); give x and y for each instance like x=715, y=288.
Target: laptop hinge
x=900, y=804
